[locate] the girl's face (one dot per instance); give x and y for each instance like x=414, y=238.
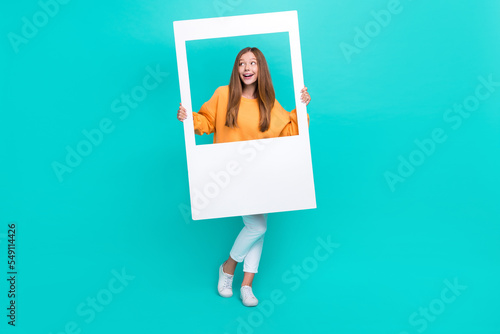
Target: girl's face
x=248, y=68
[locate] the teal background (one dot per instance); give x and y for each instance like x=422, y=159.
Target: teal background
x=125, y=204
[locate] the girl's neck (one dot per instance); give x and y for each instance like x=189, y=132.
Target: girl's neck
x=248, y=91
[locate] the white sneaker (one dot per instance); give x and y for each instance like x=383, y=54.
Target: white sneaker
x=225, y=285
x=247, y=296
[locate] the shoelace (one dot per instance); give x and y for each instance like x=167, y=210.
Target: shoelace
x=228, y=282
x=247, y=292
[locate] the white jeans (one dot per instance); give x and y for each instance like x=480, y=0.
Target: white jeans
x=248, y=244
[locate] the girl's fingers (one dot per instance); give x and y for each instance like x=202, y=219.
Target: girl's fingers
x=181, y=113
x=305, y=97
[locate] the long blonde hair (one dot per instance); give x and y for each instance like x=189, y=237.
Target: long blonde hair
x=265, y=91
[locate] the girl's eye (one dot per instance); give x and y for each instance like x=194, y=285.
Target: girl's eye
x=254, y=63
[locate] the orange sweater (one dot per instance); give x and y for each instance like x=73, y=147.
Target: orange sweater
x=212, y=118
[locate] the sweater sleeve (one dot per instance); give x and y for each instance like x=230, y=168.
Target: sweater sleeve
x=292, y=128
x=204, y=120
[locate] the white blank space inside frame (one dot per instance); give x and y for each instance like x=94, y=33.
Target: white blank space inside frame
x=254, y=176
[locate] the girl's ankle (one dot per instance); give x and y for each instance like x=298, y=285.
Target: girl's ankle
x=224, y=269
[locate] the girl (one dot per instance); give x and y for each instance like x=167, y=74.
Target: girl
x=245, y=110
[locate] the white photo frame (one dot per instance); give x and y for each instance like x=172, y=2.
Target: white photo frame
x=254, y=176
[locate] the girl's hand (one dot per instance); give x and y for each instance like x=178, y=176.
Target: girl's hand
x=181, y=113
x=305, y=97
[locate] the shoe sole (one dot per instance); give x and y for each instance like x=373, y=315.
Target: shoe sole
x=248, y=305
